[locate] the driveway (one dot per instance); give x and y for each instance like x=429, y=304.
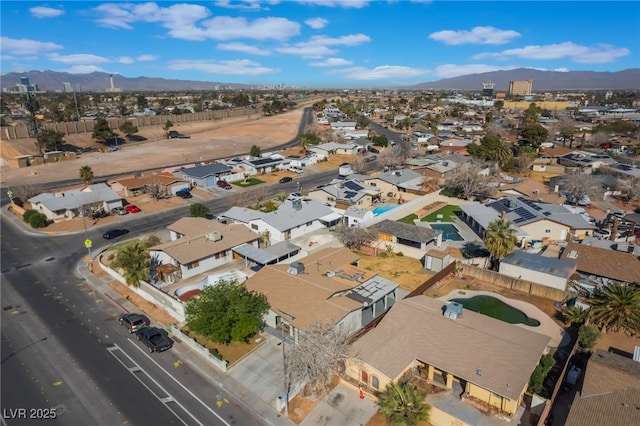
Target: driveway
x=342, y=406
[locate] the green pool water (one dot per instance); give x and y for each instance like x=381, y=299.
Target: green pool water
x=496, y=308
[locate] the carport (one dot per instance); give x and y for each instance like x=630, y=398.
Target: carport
x=268, y=255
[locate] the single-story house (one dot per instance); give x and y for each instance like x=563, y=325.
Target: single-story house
x=395, y=181
x=530, y=189
x=294, y=218
x=199, y=245
x=354, y=216
x=343, y=125
x=329, y=148
x=419, y=237
x=546, y=271
x=263, y=165
x=610, y=392
x=532, y=221
x=206, y=175
x=472, y=355
x=601, y=264
x=328, y=287
x=132, y=186
x=344, y=193
x=63, y=205
x=585, y=160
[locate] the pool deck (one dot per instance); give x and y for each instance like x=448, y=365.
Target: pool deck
x=547, y=326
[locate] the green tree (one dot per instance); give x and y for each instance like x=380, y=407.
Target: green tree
x=101, y=131
x=616, y=308
x=255, y=151
x=86, y=175
x=167, y=126
x=575, y=315
x=493, y=148
x=307, y=139
x=128, y=128
x=567, y=132
x=35, y=219
x=500, y=239
x=545, y=365
x=134, y=261
x=531, y=114
x=199, y=210
x=380, y=140
x=588, y=336
x=403, y=404
x=227, y=312
x=534, y=135
x=51, y=140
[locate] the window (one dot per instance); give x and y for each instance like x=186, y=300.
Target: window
x=547, y=231
x=193, y=265
x=309, y=223
x=364, y=377
x=254, y=226
x=374, y=382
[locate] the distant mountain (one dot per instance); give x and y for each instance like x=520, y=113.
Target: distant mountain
x=542, y=80
x=52, y=81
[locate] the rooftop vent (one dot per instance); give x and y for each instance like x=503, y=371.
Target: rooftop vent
x=573, y=254
x=330, y=273
x=453, y=311
x=214, y=236
x=297, y=204
x=296, y=268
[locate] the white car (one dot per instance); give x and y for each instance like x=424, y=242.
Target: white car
x=295, y=169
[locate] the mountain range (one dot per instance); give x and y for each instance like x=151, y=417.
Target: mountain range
x=52, y=81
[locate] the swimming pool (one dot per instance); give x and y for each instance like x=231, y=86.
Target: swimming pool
x=496, y=308
x=383, y=209
x=449, y=232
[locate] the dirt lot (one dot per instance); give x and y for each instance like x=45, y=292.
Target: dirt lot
x=405, y=270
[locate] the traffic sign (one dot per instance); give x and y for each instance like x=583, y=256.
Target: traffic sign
x=10, y=194
x=87, y=243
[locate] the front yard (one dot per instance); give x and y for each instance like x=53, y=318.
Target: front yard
x=233, y=352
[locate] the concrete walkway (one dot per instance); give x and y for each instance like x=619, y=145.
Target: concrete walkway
x=342, y=406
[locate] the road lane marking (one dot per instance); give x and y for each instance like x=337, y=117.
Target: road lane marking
x=179, y=383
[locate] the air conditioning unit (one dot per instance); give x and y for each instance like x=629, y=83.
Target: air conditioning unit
x=214, y=236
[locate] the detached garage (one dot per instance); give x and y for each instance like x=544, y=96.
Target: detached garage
x=547, y=271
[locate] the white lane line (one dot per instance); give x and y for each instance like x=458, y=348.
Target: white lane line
x=164, y=400
x=178, y=382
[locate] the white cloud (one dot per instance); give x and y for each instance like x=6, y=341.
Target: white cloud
x=25, y=46
x=561, y=69
x=380, y=73
x=306, y=51
x=454, y=70
x=244, y=48
x=146, y=58
x=477, y=35
x=45, y=12
x=600, y=53
x=316, y=23
x=83, y=69
x=125, y=60
x=78, y=59
x=244, y=4
x=348, y=40
x=231, y=67
x=332, y=62
x=347, y=4
x=317, y=46
x=189, y=22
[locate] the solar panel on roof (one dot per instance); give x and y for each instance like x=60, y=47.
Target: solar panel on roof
x=352, y=185
x=519, y=220
x=350, y=194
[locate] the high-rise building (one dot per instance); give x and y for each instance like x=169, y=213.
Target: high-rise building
x=68, y=88
x=24, y=81
x=487, y=89
x=521, y=87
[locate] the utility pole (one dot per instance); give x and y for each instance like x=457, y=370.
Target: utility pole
x=75, y=101
x=32, y=107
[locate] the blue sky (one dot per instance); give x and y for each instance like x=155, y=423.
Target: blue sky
x=317, y=43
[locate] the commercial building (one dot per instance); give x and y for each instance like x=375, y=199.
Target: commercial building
x=520, y=87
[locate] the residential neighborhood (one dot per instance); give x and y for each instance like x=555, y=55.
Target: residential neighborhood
x=433, y=248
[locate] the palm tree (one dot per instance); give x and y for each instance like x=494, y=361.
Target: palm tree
x=500, y=239
x=86, y=175
x=307, y=139
x=617, y=307
x=403, y=404
x=575, y=315
x=133, y=259
x=502, y=153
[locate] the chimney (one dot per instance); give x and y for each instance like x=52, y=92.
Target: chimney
x=503, y=216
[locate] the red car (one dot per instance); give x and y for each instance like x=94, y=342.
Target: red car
x=132, y=209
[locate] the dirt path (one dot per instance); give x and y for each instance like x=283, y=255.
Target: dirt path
x=236, y=138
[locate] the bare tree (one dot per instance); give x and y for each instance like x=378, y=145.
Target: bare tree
x=359, y=164
x=155, y=190
x=496, y=129
x=316, y=358
x=469, y=180
x=391, y=157
x=354, y=236
x=261, y=193
x=629, y=187
x=239, y=199
x=27, y=191
x=578, y=186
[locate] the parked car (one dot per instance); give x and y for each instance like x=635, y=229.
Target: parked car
x=114, y=233
x=119, y=210
x=99, y=214
x=132, y=208
x=173, y=134
x=134, y=322
x=184, y=193
x=371, y=158
x=372, y=149
x=154, y=339
x=286, y=179
x=223, y=184
x=295, y=169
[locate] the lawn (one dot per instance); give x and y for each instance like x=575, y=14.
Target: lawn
x=250, y=182
x=448, y=213
x=409, y=219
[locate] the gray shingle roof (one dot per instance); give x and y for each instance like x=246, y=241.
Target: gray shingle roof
x=69, y=200
x=286, y=217
x=405, y=231
x=199, y=172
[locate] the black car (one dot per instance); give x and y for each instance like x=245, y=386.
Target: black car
x=286, y=179
x=114, y=233
x=155, y=339
x=134, y=322
x=184, y=193
x=177, y=135
x=99, y=214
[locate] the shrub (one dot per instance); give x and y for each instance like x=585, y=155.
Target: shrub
x=214, y=352
x=35, y=219
x=28, y=215
x=400, y=254
x=383, y=254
